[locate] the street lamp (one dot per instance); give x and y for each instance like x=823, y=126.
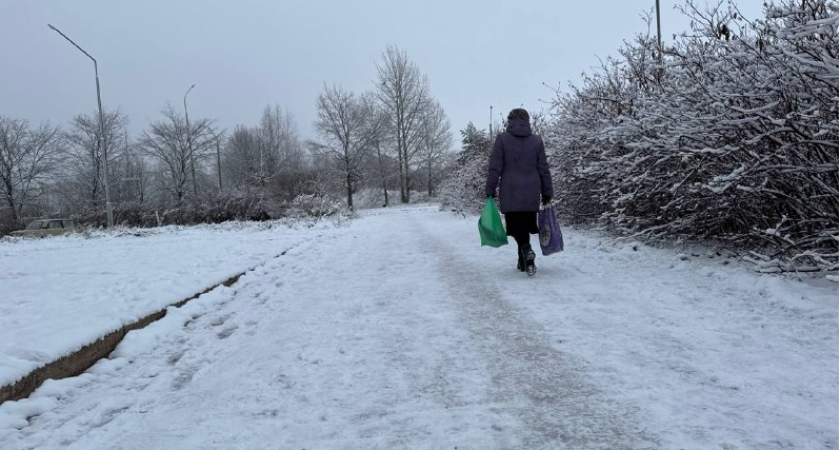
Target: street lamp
x=189, y=143
x=219, y=162
x=658, y=32
x=108, y=209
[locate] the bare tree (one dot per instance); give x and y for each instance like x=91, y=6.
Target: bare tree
x=84, y=176
x=27, y=157
x=265, y=161
x=247, y=165
x=133, y=174
x=436, y=138
x=349, y=127
x=404, y=92
x=280, y=146
x=384, y=162
x=167, y=141
x=380, y=165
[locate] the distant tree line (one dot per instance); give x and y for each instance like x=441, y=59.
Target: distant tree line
x=394, y=138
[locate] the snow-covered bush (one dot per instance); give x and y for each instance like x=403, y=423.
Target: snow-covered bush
x=316, y=206
x=367, y=198
x=733, y=137
x=463, y=190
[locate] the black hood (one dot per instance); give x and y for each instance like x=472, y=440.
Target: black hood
x=519, y=127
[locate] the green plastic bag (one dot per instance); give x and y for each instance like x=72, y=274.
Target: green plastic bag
x=490, y=225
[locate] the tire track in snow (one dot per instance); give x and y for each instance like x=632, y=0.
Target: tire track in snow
x=546, y=388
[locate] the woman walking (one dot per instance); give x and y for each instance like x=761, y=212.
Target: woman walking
x=519, y=169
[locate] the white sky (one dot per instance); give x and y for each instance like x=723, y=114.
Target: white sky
x=246, y=54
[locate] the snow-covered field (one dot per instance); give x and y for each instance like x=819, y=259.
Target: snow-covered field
x=399, y=331
x=61, y=293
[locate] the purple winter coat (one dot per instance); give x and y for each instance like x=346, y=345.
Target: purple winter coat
x=519, y=160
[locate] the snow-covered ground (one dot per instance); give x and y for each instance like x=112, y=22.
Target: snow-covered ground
x=399, y=331
x=58, y=294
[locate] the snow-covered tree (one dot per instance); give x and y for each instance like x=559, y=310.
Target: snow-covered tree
x=82, y=186
x=279, y=142
x=732, y=138
x=179, y=149
x=463, y=189
x=436, y=139
x=28, y=157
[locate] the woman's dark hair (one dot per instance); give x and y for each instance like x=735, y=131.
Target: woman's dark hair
x=518, y=113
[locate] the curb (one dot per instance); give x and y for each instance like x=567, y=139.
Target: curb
x=81, y=360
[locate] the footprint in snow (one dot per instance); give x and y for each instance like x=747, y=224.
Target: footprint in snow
x=224, y=334
x=219, y=321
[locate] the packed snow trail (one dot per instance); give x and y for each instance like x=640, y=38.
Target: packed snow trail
x=399, y=331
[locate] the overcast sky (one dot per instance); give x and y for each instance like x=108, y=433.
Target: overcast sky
x=245, y=54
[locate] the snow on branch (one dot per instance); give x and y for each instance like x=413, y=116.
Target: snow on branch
x=736, y=128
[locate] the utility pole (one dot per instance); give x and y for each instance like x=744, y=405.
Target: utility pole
x=491, y=122
x=658, y=32
x=219, y=164
x=109, y=210
x=189, y=144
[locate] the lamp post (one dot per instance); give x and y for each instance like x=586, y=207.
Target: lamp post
x=219, y=164
x=189, y=143
x=108, y=208
x=658, y=32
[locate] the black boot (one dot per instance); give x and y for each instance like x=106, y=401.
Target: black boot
x=530, y=256
x=520, y=261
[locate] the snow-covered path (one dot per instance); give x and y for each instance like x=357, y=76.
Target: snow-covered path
x=399, y=331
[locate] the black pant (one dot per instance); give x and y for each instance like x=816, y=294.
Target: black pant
x=520, y=226
x=523, y=241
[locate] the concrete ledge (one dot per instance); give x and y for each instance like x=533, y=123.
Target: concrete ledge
x=81, y=360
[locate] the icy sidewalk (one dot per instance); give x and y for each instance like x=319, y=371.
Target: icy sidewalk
x=400, y=332
x=59, y=294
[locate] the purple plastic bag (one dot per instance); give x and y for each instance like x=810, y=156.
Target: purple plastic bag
x=551, y=238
